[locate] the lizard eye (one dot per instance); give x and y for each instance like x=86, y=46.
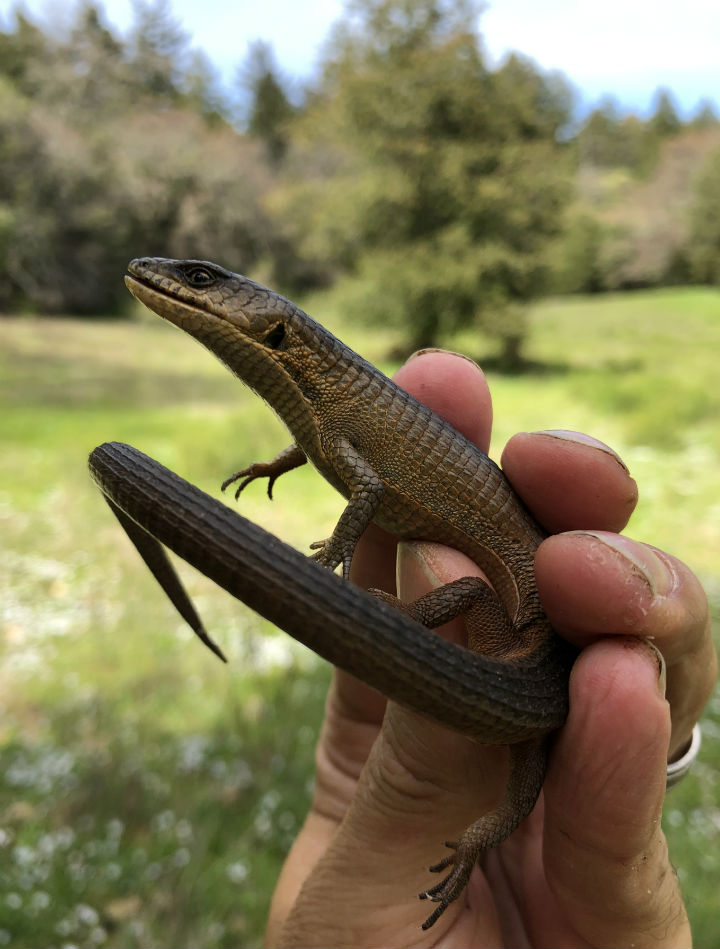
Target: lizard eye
x=199, y=277
x=275, y=337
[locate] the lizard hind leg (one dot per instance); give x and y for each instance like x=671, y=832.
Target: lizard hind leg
x=527, y=772
x=490, y=630
x=467, y=596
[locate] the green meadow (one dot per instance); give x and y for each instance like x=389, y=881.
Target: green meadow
x=147, y=792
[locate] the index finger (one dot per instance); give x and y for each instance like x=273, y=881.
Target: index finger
x=455, y=388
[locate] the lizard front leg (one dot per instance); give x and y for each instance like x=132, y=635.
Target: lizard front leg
x=291, y=457
x=366, y=491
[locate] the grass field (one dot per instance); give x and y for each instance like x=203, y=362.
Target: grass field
x=147, y=793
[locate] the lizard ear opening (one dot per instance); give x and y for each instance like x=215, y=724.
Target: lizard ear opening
x=275, y=338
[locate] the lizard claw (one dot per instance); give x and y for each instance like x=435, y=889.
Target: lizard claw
x=329, y=556
x=386, y=597
x=257, y=470
x=448, y=861
x=324, y=553
x=320, y=544
x=462, y=861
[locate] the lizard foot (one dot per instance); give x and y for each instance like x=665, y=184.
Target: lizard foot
x=259, y=469
x=462, y=860
x=329, y=554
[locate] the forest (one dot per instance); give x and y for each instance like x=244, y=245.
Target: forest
x=425, y=187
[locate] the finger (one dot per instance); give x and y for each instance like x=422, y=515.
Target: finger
x=602, y=584
x=605, y=854
x=455, y=388
x=570, y=480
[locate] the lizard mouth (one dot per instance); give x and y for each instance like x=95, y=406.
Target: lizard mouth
x=165, y=295
x=162, y=286
x=168, y=305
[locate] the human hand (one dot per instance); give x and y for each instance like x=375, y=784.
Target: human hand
x=589, y=866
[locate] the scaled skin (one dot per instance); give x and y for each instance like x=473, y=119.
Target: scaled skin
x=589, y=867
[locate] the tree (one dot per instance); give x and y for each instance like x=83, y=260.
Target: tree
x=21, y=49
x=704, y=238
x=536, y=106
x=90, y=79
x=440, y=181
x=96, y=167
x=609, y=139
x=203, y=89
x=269, y=111
x=706, y=115
x=158, y=46
x=665, y=120
x=580, y=256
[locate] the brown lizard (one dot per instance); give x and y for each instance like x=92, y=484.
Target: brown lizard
x=400, y=466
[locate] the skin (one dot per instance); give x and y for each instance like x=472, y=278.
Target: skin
x=589, y=867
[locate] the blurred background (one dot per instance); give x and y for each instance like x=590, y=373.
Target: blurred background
x=538, y=188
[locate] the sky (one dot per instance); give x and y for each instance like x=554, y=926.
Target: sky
x=623, y=48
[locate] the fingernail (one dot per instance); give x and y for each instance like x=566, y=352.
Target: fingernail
x=580, y=438
x=661, y=666
x=433, y=349
x=655, y=659
x=422, y=564
x=643, y=561
x=413, y=558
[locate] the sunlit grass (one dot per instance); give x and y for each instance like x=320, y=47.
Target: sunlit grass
x=147, y=793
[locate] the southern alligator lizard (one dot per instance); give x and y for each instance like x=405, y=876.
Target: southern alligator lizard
x=398, y=464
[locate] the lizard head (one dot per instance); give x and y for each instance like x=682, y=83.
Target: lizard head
x=264, y=339
x=196, y=294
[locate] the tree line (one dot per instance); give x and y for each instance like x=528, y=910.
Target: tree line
x=430, y=188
